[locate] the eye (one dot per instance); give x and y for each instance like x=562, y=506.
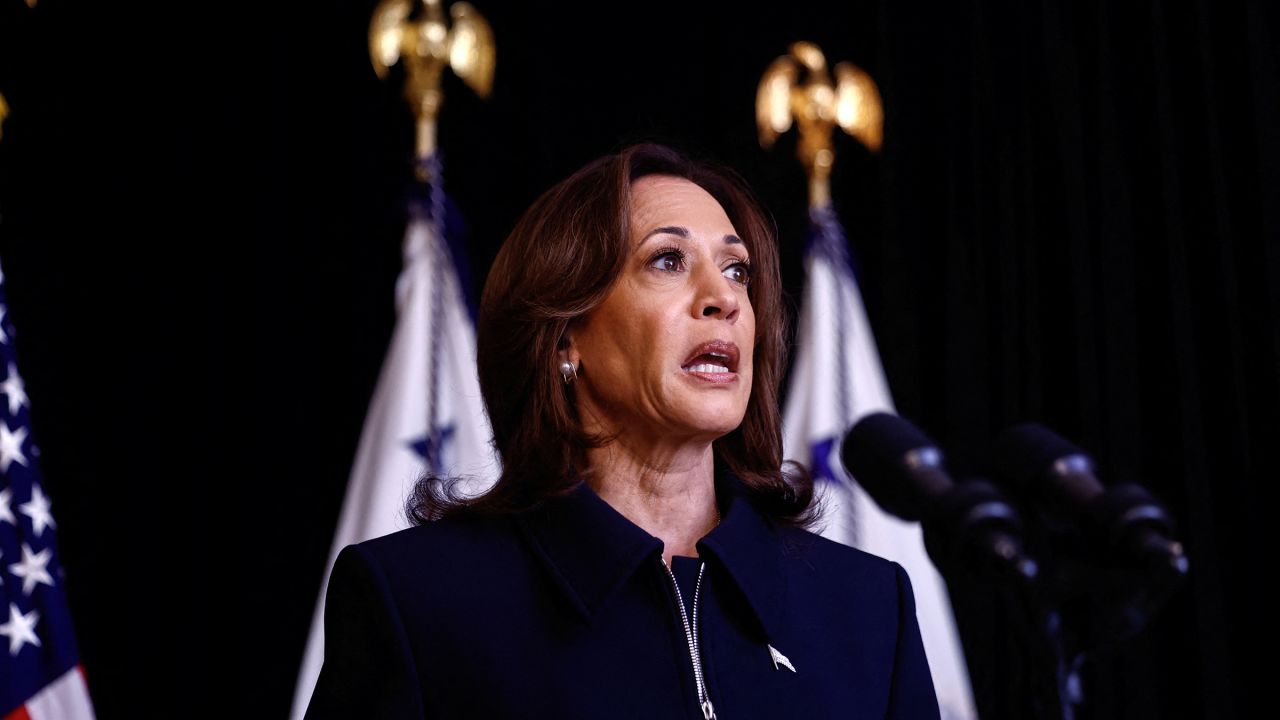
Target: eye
x=668, y=260
x=739, y=272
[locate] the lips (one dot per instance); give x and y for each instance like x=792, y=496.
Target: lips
x=716, y=356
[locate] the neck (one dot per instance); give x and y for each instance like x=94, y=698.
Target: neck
x=671, y=495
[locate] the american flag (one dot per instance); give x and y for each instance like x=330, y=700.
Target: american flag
x=40, y=673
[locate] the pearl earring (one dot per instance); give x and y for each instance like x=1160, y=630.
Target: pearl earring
x=568, y=371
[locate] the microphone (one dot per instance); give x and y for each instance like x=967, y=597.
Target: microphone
x=903, y=470
x=1123, y=521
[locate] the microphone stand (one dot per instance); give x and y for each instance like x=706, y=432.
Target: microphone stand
x=1062, y=609
x=1093, y=595
x=1053, y=603
x=973, y=534
x=1058, y=683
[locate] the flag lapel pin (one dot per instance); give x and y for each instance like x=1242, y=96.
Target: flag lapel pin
x=779, y=659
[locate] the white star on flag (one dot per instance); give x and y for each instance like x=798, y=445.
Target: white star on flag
x=12, y=387
x=6, y=510
x=11, y=446
x=38, y=511
x=34, y=568
x=20, y=629
x=46, y=681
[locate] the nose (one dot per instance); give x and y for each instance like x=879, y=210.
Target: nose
x=715, y=295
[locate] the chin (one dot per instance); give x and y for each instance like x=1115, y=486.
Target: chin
x=716, y=424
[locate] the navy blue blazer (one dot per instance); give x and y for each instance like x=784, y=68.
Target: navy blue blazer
x=566, y=611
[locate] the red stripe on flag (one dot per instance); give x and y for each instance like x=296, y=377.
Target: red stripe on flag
x=18, y=714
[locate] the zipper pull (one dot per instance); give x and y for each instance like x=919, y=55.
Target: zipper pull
x=708, y=712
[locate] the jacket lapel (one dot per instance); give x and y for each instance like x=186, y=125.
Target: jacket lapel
x=747, y=545
x=591, y=550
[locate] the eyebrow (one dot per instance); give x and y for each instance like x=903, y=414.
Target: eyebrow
x=684, y=233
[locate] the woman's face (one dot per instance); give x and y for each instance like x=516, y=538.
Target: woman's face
x=668, y=353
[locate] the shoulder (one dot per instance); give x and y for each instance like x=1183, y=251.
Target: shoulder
x=455, y=567
x=809, y=547
x=846, y=591
x=813, y=560
x=440, y=546
x=837, y=590
x=478, y=531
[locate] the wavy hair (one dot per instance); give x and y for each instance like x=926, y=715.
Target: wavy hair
x=557, y=265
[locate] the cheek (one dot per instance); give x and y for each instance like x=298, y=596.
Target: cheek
x=631, y=346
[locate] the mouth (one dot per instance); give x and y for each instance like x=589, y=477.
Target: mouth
x=716, y=360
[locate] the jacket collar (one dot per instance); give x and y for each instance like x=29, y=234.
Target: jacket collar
x=592, y=550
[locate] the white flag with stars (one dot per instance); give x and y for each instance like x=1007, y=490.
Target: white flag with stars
x=837, y=379
x=426, y=414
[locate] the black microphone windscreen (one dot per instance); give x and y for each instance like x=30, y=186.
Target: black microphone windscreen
x=878, y=452
x=1024, y=453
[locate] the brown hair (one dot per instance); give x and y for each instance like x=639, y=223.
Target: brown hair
x=558, y=264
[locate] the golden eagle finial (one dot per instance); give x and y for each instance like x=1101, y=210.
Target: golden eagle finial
x=427, y=45
x=817, y=105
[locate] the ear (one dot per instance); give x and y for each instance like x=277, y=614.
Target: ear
x=566, y=349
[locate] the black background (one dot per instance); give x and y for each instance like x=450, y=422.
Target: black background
x=1073, y=220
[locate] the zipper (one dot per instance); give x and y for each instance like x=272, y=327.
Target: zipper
x=691, y=635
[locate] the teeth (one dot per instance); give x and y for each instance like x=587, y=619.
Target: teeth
x=707, y=368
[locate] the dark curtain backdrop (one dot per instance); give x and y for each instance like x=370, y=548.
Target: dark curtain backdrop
x=1073, y=221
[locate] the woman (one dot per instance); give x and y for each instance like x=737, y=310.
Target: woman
x=642, y=554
